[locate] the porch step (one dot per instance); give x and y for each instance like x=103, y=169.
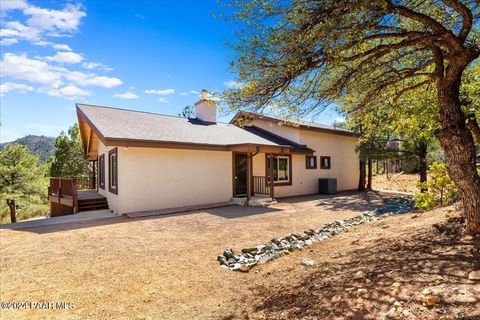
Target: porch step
x=255, y=201
x=92, y=204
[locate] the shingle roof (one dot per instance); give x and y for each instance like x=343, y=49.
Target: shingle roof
x=296, y=147
x=123, y=124
x=296, y=123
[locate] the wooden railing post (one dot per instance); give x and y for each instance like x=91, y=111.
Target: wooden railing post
x=271, y=177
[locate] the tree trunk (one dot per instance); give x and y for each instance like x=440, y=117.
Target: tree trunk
x=13, y=208
x=472, y=124
x=361, y=180
x=369, y=180
x=422, y=162
x=457, y=142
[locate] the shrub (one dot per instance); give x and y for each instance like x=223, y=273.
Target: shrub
x=440, y=188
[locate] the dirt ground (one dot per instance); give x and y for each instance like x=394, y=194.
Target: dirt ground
x=165, y=267
x=403, y=182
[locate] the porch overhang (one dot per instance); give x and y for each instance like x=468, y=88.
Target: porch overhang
x=89, y=135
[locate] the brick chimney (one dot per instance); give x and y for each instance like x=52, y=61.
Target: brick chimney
x=206, y=108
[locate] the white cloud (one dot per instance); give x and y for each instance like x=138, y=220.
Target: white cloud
x=51, y=74
x=40, y=22
x=8, y=41
x=126, y=95
x=13, y=86
x=38, y=71
x=68, y=92
x=340, y=119
x=161, y=92
x=14, y=29
x=66, y=57
x=189, y=92
x=6, y=5
x=96, y=65
x=56, y=46
x=59, y=46
x=21, y=67
x=67, y=19
x=162, y=100
x=91, y=65
x=102, y=81
x=233, y=84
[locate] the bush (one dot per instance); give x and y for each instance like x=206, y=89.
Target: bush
x=440, y=188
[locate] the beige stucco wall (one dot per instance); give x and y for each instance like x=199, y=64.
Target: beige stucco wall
x=153, y=178
x=341, y=149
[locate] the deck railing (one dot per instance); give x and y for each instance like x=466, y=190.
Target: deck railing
x=63, y=191
x=84, y=183
x=261, y=185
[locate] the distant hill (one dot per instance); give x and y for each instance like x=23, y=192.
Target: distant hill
x=40, y=145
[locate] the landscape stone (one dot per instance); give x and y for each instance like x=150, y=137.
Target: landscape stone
x=474, y=275
x=298, y=240
x=307, y=262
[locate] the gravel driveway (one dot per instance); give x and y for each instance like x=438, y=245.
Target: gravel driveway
x=158, y=267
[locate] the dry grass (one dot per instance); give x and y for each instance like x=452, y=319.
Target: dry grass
x=165, y=267
x=403, y=182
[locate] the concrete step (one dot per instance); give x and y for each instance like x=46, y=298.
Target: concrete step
x=255, y=201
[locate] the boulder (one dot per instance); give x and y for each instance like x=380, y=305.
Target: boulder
x=474, y=275
x=307, y=262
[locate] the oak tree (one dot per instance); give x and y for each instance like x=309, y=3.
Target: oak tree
x=299, y=56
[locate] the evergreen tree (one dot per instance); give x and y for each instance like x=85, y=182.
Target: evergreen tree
x=69, y=158
x=21, y=177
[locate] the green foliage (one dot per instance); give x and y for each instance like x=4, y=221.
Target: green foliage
x=187, y=112
x=440, y=188
x=22, y=179
x=295, y=57
x=69, y=159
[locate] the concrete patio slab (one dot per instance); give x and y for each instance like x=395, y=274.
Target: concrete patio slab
x=81, y=216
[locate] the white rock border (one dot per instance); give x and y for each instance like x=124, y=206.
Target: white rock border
x=275, y=248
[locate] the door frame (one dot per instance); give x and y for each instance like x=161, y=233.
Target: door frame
x=234, y=185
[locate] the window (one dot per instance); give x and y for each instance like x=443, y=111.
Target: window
x=101, y=171
x=282, y=171
x=113, y=171
x=325, y=163
x=311, y=162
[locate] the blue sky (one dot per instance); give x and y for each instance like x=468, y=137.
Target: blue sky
x=153, y=56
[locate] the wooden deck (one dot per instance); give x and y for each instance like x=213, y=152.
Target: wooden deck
x=66, y=199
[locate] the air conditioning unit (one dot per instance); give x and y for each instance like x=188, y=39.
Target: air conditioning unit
x=327, y=186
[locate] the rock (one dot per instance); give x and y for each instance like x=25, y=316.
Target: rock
x=396, y=285
x=430, y=298
x=281, y=246
x=236, y=267
x=244, y=268
x=474, y=275
x=222, y=260
x=362, y=290
x=264, y=258
x=307, y=262
x=228, y=253
x=407, y=313
x=263, y=247
x=397, y=304
x=359, y=275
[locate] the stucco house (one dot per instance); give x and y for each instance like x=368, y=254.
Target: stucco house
x=148, y=161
